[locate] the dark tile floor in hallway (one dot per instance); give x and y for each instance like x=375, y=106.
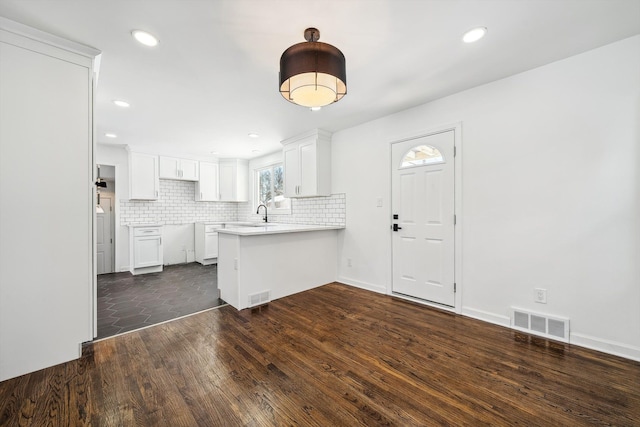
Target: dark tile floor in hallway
x=127, y=302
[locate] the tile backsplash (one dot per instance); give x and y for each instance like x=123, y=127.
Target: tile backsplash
x=330, y=210
x=176, y=206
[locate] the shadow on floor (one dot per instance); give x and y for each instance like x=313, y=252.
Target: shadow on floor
x=127, y=302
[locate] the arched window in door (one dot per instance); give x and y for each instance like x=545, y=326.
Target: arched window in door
x=421, y=155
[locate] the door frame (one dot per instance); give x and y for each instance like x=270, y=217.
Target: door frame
x=115, y=218
x=458, y=229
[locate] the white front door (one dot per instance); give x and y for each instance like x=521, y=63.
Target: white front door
x=423, y=208
x=104, y=240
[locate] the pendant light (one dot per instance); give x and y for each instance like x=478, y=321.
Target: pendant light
x=313, y=74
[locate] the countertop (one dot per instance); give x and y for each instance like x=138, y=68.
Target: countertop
x=274, y=228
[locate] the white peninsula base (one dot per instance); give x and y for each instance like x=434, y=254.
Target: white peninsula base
x=255, y=268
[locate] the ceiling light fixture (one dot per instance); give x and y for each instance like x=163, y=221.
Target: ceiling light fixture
x=474, y=35
x=145, y=38
x=121, y=103
x=110, y=135
x=313, y=74
x=316, y=108
x=253, y=135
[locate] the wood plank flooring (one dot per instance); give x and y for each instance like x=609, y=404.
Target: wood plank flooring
x=332, y=356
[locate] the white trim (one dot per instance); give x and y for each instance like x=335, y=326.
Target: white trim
x=46, y=38
x=485, y=316
x=456, y=127
x=606, y=346
x=362, y=285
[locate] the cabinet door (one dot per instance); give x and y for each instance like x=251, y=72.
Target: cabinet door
x=148, y=251
x=207, y=186
x=227, y=182
x=189, y=170
x=291, y=170
x=144, y=177
x=308, y=169
x=211, y=245
x=169, y=167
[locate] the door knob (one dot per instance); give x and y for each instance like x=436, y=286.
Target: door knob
x=396, y=228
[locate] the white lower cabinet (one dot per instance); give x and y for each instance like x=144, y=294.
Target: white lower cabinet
x=206, y=242
x=145, y=249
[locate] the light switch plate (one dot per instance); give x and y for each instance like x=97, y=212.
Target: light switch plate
x=379, y=202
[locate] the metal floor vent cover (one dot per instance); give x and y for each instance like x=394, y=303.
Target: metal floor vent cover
x=544, y=325
x=259, y=298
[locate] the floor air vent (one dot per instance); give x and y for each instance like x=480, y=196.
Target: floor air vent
x=553, y=327
x=259, y=299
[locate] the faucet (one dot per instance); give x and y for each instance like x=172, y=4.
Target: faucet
x=265, y=211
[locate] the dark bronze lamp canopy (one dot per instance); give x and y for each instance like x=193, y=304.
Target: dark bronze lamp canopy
x=313, y=74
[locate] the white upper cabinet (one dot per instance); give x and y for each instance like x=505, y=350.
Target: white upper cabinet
x=143, y=177
x=234, y=180
x=307, y=164
x=175, y=168
x=207, y=189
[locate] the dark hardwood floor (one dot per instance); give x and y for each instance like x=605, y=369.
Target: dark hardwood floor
x=332, y=356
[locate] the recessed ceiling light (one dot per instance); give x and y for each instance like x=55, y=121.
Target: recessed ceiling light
x=110, y=135
x=474, y=35
x=215, y=152
x=121, y=103
x=255, y=150
x=253, y=135
x=316, y=108
x=145, y=38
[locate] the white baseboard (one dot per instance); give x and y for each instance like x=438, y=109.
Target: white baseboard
x=362, y=285
x=485, y=316
x=606, y=346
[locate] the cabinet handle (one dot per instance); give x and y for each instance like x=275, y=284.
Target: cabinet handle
x=201, y=195
x=161, y=240
x=156, y=193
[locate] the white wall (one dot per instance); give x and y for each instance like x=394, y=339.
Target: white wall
x=118, y=157
x=550, y=196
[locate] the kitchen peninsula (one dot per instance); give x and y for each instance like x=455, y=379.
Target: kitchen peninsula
x=261, y=263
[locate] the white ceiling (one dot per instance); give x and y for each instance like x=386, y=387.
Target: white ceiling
x=214, y=76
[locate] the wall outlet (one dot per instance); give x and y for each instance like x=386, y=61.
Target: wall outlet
x=540, y=295
x=349, y=263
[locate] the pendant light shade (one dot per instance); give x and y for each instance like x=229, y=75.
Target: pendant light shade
x=313, y=74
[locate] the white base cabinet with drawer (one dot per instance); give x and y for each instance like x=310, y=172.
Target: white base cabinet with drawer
x=145, y=249
x=206, y=242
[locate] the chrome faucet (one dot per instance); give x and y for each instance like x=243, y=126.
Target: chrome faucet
x=265, y=211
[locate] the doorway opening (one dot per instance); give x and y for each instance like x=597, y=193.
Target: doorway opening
x=125, y=302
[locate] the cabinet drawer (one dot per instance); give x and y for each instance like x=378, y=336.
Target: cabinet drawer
x=146, y=231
